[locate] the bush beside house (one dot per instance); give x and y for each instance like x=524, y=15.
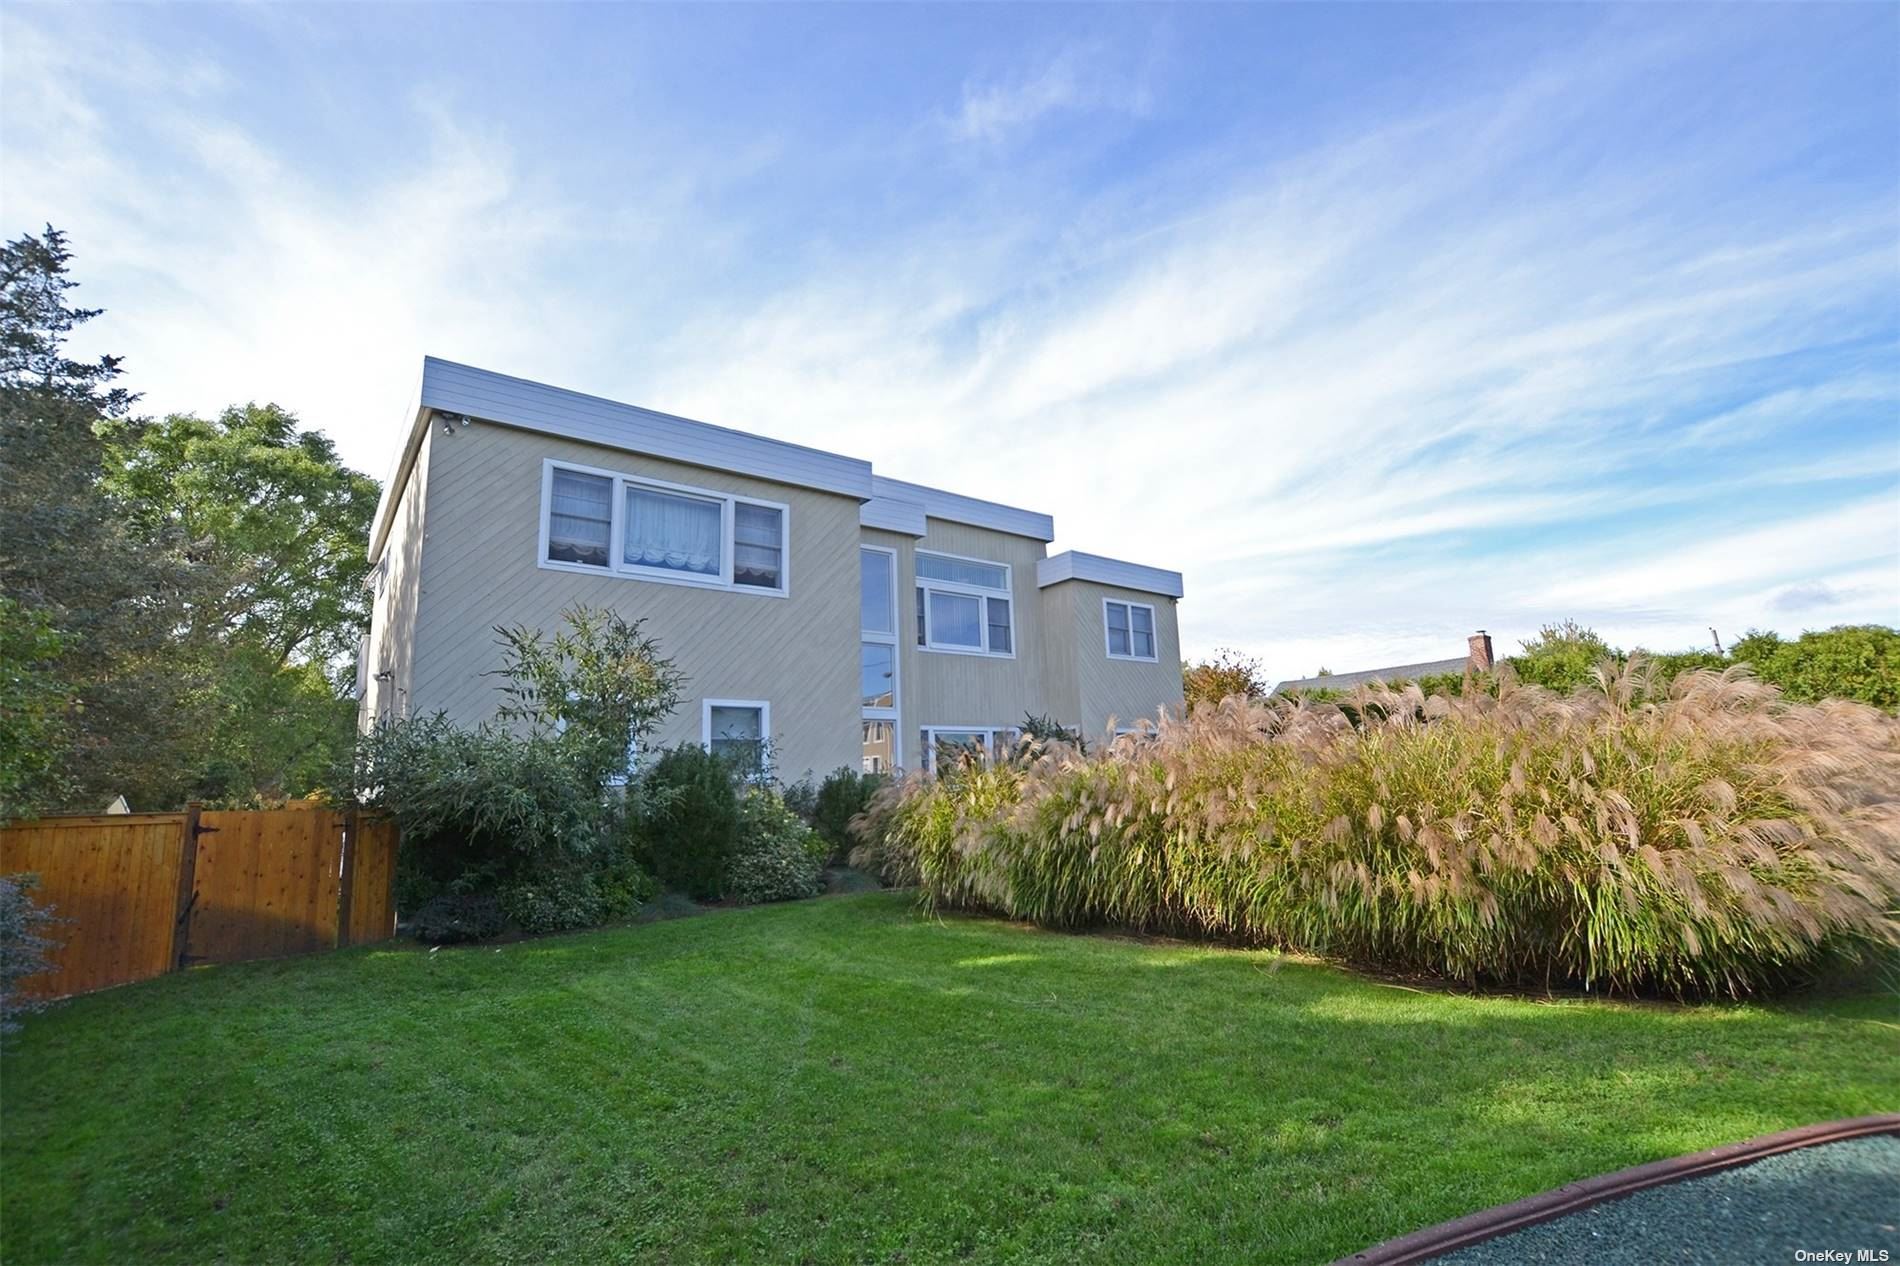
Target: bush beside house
x=1710, y=837
x=540, y=822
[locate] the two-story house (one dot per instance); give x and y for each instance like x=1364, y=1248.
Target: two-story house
x=845, y=617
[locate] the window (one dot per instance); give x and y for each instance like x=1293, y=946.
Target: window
x=673, y=533
x=758, y=534
x=963, y=605
x=877, y=657
x=580, y=518
x=663, y=531
x=880, y=746
x=1131, y=629
x=877, y=591
x=942, y=743
x=739, y=730
x=877, y=674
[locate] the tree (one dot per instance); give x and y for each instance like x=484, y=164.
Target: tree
x=271, y=509
x=601, y=684
x=1562, y=656
x=112, y=597
x=1850, y=661
x=1228, y=673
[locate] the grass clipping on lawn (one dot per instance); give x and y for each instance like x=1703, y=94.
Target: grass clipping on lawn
x=1707, y=838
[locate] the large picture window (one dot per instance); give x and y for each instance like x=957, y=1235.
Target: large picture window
x=963, y=605
x=983, y=743
x=603, y=521
x=1131, y=629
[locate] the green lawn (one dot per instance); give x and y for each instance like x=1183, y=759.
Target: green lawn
x=841, y=1080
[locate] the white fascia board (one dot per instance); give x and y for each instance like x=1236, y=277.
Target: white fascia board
x=892, y=515
x=956, y=508
x=449, y=387
x=1072, y=565
x=493, y=397
x=417, y=420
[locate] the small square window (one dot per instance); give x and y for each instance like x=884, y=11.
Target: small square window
x=1130, y=630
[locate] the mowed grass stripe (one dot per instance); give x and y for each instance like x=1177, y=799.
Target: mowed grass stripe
x=843, y=1080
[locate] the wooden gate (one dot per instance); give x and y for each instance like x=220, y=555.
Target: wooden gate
x=154, y=892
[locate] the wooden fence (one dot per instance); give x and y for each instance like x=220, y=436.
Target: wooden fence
x=148, y=893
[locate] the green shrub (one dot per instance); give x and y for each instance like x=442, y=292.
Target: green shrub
x=453, y=918
x=1860, y=662
x=1563, y=657
x=843, y=796
x=478, y=808
x=24, y=923
x=693, y=824
x=801, y=798
x=777, y=857
x=1710, y=838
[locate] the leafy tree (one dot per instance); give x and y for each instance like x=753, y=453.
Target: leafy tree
x=1228, y=673
x=33, y=702
x=1562, y=656
x=79, y=567
x=271, y=509
x=600, y=683
x=1850, y=661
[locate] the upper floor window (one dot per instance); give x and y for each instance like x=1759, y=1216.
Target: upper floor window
x=630, y=526
x=1131, y=629
x=963, y=604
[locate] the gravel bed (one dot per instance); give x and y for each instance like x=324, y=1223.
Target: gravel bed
x=1840, y=1197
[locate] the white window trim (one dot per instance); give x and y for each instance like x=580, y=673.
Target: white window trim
x=1007, y=592
x=895, y=640
x=706, y=710
x=989, y=733
x=617, y=511
x=1154, y=631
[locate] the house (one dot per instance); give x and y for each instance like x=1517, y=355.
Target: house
x=1477, y=658
x=849, y=618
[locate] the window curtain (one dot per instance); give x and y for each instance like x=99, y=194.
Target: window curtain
x=672, y=533
x=757, y=539
x=580, y=518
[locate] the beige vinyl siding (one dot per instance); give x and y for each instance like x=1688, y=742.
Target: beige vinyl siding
x=392, y=630
x=1105, y=690
x=480, y=568
x=946, y=689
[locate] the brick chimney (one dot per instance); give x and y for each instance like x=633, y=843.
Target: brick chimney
x=1478, y=652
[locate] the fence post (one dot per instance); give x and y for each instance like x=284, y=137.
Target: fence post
x=346, y=886
x=187, y=878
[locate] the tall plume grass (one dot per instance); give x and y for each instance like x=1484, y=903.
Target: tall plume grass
x=1703, y=838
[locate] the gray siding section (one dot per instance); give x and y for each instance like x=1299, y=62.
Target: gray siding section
x=389, y=653
x=1099, y=692
x=480, y=568
x=950, y=689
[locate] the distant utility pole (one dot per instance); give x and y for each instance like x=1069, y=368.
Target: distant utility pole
x=1718, y=639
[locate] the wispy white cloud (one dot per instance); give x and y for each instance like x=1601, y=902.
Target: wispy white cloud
x=1451, y=369
x=1075, y=79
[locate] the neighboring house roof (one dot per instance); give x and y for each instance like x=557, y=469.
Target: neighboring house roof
x=1074, y=565
x=1398, y=672
x=893, y=504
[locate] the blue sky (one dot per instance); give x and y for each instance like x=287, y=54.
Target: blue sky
x=1380, y=323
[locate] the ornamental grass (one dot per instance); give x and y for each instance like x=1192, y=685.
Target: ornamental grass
x=1702, y=838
